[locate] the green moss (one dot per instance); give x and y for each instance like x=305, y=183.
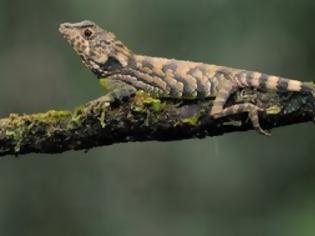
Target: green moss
x=16, y=120
x=16, y=130
x=274, y=110
x=104, y=84
x=51, y=117
x=17, y=136
x=22, y=124
x=102, y=119
x=140, y=109
x=144, y=100
x=155, y=104
x=193, y=120
x=76, y=118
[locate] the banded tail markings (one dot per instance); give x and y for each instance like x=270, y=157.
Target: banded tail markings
x=271, y=82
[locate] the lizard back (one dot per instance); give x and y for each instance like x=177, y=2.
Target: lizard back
x=174, y=78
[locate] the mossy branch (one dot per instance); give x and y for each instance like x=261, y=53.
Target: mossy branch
x=142, y=118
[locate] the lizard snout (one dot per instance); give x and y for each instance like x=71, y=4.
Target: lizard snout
x=64, y=27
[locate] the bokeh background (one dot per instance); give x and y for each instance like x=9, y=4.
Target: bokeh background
x=238, y=184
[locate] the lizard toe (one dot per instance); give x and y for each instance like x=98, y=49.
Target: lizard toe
x=253, y=116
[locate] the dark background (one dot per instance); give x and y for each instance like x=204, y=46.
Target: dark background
x=238, y=184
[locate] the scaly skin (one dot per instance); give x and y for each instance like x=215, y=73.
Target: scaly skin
x=127, y=72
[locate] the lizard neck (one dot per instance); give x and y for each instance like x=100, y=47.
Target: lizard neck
x=122, y=53
x=135, y=62
x=116, y=62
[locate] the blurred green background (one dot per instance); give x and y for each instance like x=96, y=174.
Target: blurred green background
x=239, y=184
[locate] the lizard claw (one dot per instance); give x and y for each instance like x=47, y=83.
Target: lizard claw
x=253, y=116
x=263, y=132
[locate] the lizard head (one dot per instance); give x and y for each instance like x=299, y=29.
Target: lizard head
x=98, y=48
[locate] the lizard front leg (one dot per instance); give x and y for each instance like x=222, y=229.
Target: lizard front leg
x=226, y=88
x=116, y=90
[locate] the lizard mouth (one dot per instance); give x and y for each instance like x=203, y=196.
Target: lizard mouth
x=67, y=32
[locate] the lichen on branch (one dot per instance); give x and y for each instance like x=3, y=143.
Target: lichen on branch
x=142, y=118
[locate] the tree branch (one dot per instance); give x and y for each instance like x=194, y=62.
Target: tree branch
x=142, y=118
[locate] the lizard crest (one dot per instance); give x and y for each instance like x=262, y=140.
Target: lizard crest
x=98, y=49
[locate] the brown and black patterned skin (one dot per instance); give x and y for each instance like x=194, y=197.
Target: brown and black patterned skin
x=109, y=58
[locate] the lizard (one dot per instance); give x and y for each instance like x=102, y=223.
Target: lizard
x=124, y=72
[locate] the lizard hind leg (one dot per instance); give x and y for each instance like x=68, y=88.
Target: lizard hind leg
x=218, y=110
x=252, y=111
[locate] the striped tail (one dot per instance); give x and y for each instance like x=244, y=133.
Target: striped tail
x=275, y=83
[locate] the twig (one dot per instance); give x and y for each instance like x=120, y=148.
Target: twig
x=142, y=118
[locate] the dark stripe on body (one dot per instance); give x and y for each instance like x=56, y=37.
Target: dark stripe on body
x=217, y=81
x=187, y=90
x=147, y=64
x=132, y=62
x=256, y=82
x=263, y=81
x=282, y=85
x=249, y=78
x=226, y=72
x=133, y=70
x=202, y=90
x=141, y=77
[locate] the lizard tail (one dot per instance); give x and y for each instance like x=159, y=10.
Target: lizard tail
x=275, y=83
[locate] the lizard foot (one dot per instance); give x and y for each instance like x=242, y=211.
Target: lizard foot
x=121, y=94
x=251, y=109
x=253, y=116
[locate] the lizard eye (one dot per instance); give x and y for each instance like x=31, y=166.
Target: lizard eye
x=88, y=33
